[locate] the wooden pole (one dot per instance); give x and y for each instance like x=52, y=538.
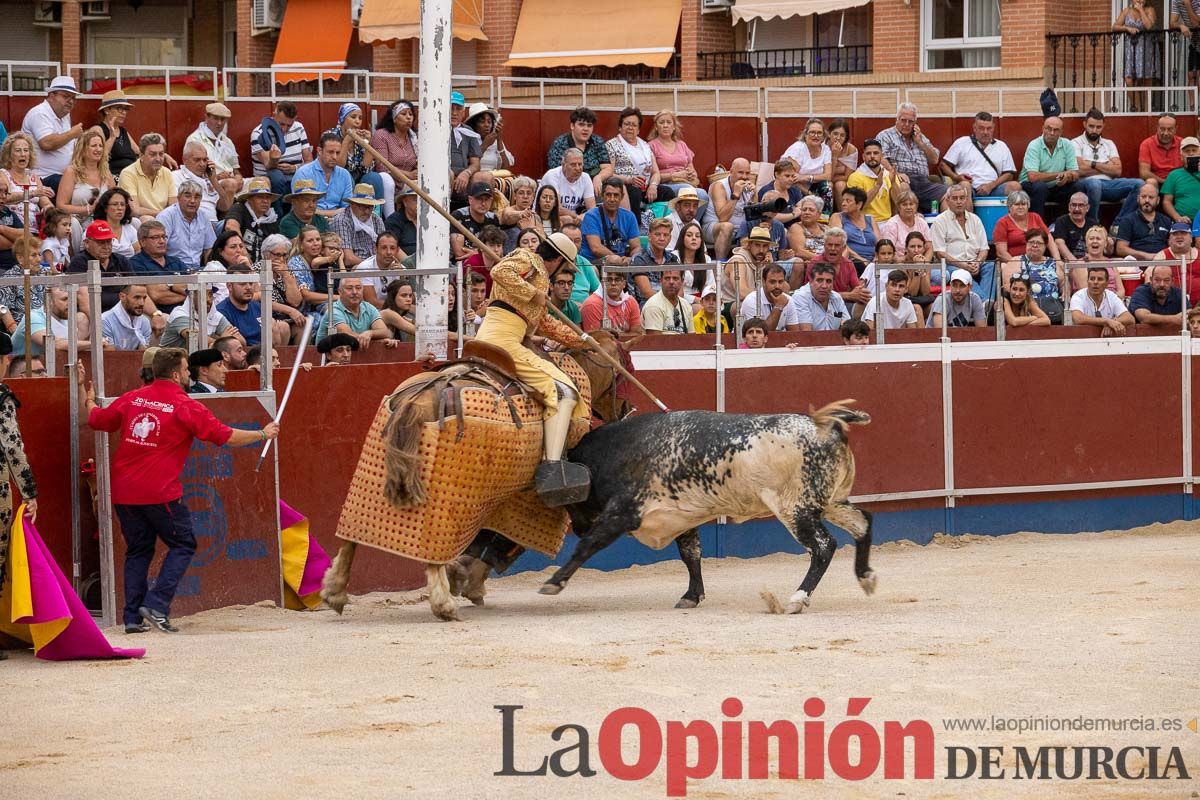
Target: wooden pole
x=483, y=248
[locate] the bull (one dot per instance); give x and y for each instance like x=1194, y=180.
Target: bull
x=658, y=476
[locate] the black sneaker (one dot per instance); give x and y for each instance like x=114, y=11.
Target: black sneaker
x=136, y=627
x=158, y=620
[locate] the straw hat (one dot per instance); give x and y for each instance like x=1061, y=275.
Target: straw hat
x=364, y=194
x=685, y=193
x=62, y=83
x=304, y=187
x=759, y=234
x=257, y=187
x=114, y=99
x=563, y=244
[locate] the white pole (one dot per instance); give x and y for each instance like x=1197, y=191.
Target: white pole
x=287, y=393
x=433, y=172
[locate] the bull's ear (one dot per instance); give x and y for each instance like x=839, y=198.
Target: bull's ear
x=626, y=344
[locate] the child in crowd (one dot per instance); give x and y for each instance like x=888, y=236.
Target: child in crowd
x=706, y=318
x=855, y=333
x=55, y=249
x=1193, y=321
x=885, y=253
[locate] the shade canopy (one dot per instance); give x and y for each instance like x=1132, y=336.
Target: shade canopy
x=551, y=33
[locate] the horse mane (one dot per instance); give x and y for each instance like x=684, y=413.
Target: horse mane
x=839, y=415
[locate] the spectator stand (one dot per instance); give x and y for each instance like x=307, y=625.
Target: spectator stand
x=238, y=563
x=881, y=288
x=456, y=273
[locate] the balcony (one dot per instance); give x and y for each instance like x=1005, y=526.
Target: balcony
x=785, y=63
x=1089, y=69
x=633, y=73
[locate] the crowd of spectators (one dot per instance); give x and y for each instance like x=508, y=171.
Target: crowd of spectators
x=835, y=230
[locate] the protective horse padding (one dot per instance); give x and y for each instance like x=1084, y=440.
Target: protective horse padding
x=483, y=480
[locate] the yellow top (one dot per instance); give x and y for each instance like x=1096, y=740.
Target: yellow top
x=516, y=280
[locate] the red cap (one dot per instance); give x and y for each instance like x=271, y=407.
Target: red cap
x=100, y=231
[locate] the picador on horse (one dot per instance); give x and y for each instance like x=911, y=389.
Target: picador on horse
x=456, y=457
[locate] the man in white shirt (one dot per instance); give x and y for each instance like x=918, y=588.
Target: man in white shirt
x=771, y=302
x=216, y=198
x=982, y=160
x=49, y=125
x=666, y=311
x=1100, y=169
x=896, y=310
x=958, y=237
x=818, y=306
x=573, y=185
x=125, y=327
x=221, y=151
x=1098, y=306
x=387, y=256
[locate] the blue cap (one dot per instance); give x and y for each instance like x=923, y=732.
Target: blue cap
x=457, y=99
x=1181, y=227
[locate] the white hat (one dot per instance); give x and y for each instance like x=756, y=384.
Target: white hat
x=479, y=108
x=961, y=275
x=62, y=83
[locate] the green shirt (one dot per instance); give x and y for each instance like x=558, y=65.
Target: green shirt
x=1040, y=159
x=571, y=309
x=290, y=227
x=586, y=280
x=358, y=323
x=1184, y=188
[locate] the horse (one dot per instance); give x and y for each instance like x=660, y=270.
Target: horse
x=421, y=400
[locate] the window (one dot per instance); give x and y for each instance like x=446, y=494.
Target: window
x=961, y=34
x=144, y=50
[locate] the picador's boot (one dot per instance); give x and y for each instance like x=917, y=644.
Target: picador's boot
x=560, y=482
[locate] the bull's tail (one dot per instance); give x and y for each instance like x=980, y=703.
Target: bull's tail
x=838, y=414
x=403, y=485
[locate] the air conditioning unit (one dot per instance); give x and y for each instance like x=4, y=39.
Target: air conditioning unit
x=267, y=15
x=94, y=10
x=707, y=6
x=47, y=14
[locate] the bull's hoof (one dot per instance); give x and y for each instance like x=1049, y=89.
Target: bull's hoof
x=687, y=602
x=550, y=588
x=336, y=601
x=868, y=581
x=456, y=574
x=475, y=589
x=798, y=602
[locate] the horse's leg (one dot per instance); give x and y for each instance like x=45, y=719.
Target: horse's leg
x=809, y=531
x=858, y=524
x=688, y=543
x=458, y=569
x=607, y=530
x=333, y=585
x=440, y=599
x=499, y=555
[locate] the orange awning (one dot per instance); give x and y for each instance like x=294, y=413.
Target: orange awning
x=315, y=34
x=617, y=32
x=389, y=20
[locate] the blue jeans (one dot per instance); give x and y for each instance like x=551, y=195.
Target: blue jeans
x=1123, y=189
x=984, y=284
x=141, y=525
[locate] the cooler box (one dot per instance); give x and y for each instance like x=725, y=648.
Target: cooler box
x=1131, y=277
x=990, y=210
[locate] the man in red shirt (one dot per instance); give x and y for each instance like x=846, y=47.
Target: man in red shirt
x=1159, y=154
x=157, y=423
x=615, y=310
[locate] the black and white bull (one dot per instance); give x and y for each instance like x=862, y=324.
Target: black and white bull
x=658, y=476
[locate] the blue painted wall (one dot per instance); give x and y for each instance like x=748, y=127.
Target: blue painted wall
x=763, y=537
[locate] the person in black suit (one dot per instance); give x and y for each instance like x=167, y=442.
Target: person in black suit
x=208, y=371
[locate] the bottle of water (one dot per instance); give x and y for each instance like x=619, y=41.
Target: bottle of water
x=647, y=218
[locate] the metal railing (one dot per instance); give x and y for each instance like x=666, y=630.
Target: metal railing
x=1101, y=61
x=93, y=80
x=561, y=93
x=27, y=77
x=785, y=63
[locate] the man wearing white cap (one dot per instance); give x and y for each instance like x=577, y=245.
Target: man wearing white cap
x=222, y=153
x=49, y=125
x=965, y=307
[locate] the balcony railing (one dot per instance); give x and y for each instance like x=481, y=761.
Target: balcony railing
x=785, y=63
x=1082, y=62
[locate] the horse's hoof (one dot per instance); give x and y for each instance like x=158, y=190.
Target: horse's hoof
x=797, y=603
x=549, y=588
x=456, y=575
x=476, y=599
x=686, y=602
x=336, y=601
x=447, y=614
x=868, y=581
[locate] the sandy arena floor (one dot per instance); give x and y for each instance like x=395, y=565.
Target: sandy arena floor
x=256, y=702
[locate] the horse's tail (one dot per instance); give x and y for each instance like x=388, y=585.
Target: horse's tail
x=403, y=485
x=839, y=415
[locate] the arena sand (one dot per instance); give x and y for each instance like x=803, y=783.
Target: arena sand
x=257, y=702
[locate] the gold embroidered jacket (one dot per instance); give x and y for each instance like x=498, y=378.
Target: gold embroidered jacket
x=516, y=280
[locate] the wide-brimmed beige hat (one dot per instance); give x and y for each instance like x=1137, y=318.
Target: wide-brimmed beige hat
x=115, y=98
x=364, y=194
x=304, y=187
x=686, y=193
x=257, y=187
x=563, y=244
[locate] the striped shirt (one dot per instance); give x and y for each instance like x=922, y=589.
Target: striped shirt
x=296, y=139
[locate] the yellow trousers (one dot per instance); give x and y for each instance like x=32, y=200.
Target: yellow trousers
x=507, y=330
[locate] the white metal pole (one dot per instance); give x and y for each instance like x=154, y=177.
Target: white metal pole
x=433, y=234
